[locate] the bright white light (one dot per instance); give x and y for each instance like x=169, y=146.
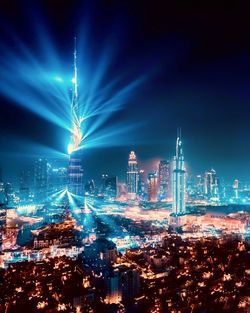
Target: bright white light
x=70, y=148
x=73, y=80
x=58, y=79
x=76, y=137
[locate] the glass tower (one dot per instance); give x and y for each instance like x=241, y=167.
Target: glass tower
x=179, y=178
x=132, y=176
x=75, y=174
x=75, y=171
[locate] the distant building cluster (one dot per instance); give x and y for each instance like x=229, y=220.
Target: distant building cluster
x=169, y=183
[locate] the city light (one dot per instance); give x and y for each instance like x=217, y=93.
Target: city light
x=99, y=209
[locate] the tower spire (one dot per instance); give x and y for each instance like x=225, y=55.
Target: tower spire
x=75, y=69
x=178, y=144
x=75, y=85
x=76, y=119
x=179, y=173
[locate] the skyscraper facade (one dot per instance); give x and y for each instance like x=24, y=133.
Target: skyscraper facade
x=179, y=179
x=109, y=186
x=164, y=179
x=25, y=185
x=41, y=179
x=132, y=176
x=141, y=184
x=211, y=184
x=75, y=174
x=75, y=171
x=236, y=189
x=58, y=178
x=152, y=187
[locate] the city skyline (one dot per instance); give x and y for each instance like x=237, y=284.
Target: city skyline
x=124, y=157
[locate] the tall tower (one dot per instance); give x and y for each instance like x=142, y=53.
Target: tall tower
x=179, y=178
x=75, y=171
x=132, y=176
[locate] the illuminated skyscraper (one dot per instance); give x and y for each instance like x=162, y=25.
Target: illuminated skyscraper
x=41, y=179
x=236, y=188
x=211, y=184
x=179, y=178
x=90, y=188
x=25, y=185
x=132, y=176
x=58, y=178
x=109, y=186
x=164, y=179
x=152, y=187
x=141, y=184
x=75, y=171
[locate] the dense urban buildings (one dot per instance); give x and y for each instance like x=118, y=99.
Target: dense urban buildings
x=86, y=224
x=171, y=243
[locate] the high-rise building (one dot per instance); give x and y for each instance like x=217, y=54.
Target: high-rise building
x=132, y=176
x=152, y=187
x=58, y=178
x=211, y=184
x=112, y=286
x=129, y=283
x=25, y=185
x=199, y=185
x=122, y=284
x=179, y=179
x=141, y=184
x=164, y=180
x=41, y=179
x=109, y=186
x=90, y=188
x=75, y=174
x=236, y=189
x=75, y=171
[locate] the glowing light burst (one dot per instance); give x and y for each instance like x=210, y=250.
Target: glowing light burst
x=76, y=137
x=42, y=83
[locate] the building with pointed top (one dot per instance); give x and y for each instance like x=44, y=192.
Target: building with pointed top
x=75, y=171
x=179, y=178
x=211, y=184
x=132, y=176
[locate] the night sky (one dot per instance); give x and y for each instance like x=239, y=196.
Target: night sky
x=195, y=64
